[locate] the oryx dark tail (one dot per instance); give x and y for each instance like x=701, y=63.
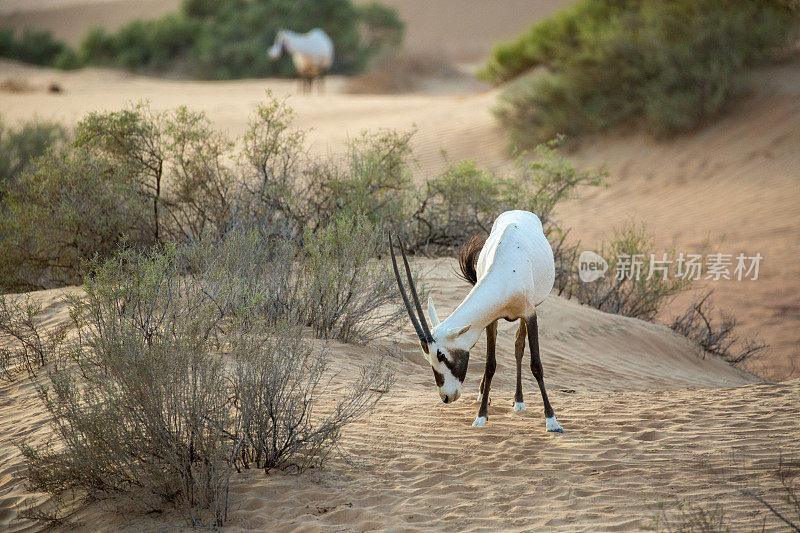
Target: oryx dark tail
x=468, y=258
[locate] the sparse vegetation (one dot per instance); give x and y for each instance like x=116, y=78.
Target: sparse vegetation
x=669, y=65
x=635, y=285
x=145, y=178
x=24, y=345
x=176, y=378
x=715, y=337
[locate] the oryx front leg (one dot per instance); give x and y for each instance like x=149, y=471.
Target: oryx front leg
x=538, y=373
x=491, y=364
x=519, y=352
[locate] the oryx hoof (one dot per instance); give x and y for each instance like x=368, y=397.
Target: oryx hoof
x=479, y=422
x=552, y=425
x=519, y=406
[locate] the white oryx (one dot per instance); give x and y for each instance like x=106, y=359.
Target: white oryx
x=312, y=54
x=512, y=273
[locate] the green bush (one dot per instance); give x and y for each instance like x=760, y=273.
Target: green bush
x=21, y=145
x=37, y=47
x=71, y=206
x=229, y=39
x=144, y=177
x=670, y=64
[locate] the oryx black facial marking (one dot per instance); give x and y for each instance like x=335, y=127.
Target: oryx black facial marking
x=438, y=377
x=458, y=366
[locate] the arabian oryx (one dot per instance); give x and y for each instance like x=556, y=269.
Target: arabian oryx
x=512, y=273
x=312, y=54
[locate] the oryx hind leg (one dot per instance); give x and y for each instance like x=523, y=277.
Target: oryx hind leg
x=486, y=384
x=519, y=352
x=538, y=373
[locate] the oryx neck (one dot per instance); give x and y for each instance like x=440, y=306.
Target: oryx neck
x=483, y=305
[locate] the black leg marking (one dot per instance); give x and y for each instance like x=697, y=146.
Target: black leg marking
x=536, y=362
x=519, y=352
x=491, y=364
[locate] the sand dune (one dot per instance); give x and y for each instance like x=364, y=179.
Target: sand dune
x=733, y=184
x=647, y=418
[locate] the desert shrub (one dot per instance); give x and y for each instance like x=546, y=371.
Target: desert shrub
x=144, y=177
x=381, y=28
x=167, y=390
x=349, y=296
x=37, y=47
x=178, y=162
x=634, y=285
x=277, y=381
x=464, y=199
x=21, y=145
x=670, y=65
x=135, y=175
x=141, y=413
x=716, y=337
x=228, y=39
x=280, y=182
x=70, y=206
x=24, y=345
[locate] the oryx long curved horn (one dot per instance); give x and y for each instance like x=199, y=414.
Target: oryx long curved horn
x=420, y=332
x=425, y=329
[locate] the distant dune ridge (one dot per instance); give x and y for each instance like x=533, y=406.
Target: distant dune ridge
x=647, y=416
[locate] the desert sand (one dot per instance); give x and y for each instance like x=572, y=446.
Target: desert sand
x=648, y=417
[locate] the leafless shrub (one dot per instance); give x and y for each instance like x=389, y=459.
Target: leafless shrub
x=715, y=337
x=24, y=345
x=277, y=380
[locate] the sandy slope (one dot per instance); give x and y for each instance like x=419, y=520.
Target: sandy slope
x=733, y=184
x=647, y=419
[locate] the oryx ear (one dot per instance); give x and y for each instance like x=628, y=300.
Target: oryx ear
x=455, y=332
x=432, y=312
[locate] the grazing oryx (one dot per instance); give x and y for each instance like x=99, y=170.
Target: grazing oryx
x=312, y=54
x=512, y=273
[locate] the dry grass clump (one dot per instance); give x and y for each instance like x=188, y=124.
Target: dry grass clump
x=177, y=377
x=780, y=512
